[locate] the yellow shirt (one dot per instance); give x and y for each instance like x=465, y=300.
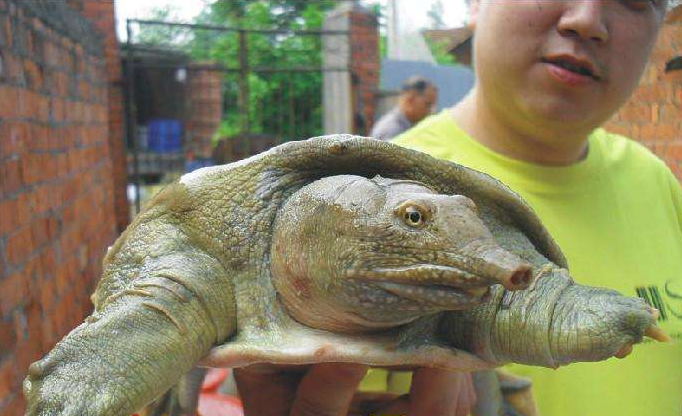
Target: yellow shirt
x=617, y=215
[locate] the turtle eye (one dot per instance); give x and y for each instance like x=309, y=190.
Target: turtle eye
x=413, y=214
x=413, y=217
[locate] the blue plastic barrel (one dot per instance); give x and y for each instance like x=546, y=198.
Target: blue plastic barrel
x=164, y=136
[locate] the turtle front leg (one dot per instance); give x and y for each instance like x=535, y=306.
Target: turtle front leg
x=137, y=345
x=554, y=322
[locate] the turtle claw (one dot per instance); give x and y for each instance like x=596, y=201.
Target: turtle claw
x=654, y=332
x=624, y=351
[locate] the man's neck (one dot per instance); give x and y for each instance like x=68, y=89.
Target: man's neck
x=481, y=123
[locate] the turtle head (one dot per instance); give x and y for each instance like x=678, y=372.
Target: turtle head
x=351, y=254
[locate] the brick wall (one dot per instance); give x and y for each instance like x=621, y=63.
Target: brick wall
x=653, y=115
x=364, y=66
x=101, y=14
x=56, y=187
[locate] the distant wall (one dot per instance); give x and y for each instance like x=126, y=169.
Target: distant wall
x=653, y=115
x=56, y=181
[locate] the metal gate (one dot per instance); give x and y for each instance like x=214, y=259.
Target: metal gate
x=186, y=109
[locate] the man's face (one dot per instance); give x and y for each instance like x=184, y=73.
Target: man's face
x=568, y=63
x=421, y=105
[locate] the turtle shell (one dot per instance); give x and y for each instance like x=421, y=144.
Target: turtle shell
x=236, y=204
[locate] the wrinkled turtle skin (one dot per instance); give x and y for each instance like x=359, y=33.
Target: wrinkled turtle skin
x=337, y=248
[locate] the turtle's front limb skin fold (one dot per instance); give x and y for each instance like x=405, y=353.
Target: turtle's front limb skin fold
x=137, y=345
x=553, y=323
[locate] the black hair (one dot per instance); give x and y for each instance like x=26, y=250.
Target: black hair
x=418, y=84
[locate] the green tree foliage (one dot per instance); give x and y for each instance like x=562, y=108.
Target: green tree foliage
x=440, y=53
x=286, y=104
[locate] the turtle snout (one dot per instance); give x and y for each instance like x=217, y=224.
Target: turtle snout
x=508, y=269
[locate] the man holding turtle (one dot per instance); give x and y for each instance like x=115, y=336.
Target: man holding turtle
x=549, y=73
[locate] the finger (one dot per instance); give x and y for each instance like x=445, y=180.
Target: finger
x=465, y=402
x=398, y=406
x=435, y=392
x=472, y=390
x=368, y=403
x=254, y=383
x=327, y=389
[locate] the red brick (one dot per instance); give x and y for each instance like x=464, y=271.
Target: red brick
x=636, y=113
x=671, y=112
x=39, y=234
x=13, y=136
x=30, y=109
x=49, y=334
x=667, y=131
x=56, y=108
x=22, y=212
x=68, y=240
x=62, y=165
x=19, y=246
x=674, y=151
x=7, y=214
x=38, y=138
x=13, y=69
x=9, y=340
x=652, y=93
x=47, y=257
x=43, y=108
x=11, y=175
x=32, y=349
x=8, y=102
x=33, y=75
x=8, y=377
x=647, y=132
x=654, y=112
x=61, y=86
x=14, y=405
x=30, y=168
x=677, y=97
x=14, y=289
x=47, y=294
x=61, y=277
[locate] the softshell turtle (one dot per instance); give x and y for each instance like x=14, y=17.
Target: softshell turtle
x=334, y=249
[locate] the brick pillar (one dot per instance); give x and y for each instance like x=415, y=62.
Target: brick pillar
x=101, y=14
x=205, y=109
x=364, y=67
x=349, y=97
x=653, y=115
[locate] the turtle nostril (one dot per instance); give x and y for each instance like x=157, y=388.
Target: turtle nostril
x=521, y=277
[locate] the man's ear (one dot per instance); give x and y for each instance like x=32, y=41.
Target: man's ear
x=473, y=13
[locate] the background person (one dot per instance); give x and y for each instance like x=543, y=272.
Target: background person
x=416, y=101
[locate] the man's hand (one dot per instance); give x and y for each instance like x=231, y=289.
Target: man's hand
x=329, y=389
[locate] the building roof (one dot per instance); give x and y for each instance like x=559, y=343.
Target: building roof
x=453, y=81
x=450, y=38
